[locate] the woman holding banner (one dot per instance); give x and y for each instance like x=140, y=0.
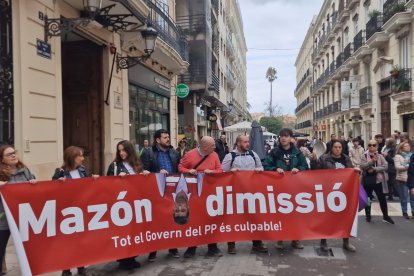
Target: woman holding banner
x=12, y=170
x=72, y=168
x=334, y=159
x=126, y=163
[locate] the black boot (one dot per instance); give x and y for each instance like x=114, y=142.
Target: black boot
x=368, y=213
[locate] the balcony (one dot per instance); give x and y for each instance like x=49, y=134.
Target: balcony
x=167, y=29
x=303, y=105
x=339, y=60
x=215, y=6
x=391, y=7
x=352, y=3
x=302, y=81
x=401, y=86
x=365, y=96
x=359, y=40
x=231, y=81
x=305, y=124
x=374, y=25
x=336, y=107
x=230, y=48
x=348, y=51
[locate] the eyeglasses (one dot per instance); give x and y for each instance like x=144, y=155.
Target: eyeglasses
x=372, y=145
x=11, y=153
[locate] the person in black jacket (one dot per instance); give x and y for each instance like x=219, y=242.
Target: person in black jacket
x=221, y=147
x=389, y=154
x=329, y=144
x=126, y=163
x=161, y=158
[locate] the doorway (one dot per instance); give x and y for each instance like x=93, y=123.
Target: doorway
x=82, y=98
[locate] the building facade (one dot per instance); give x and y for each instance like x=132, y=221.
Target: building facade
x=64, y=79
x=217, y=72
x=360, y=69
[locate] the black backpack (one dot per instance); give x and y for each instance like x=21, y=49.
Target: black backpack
x=234, y=155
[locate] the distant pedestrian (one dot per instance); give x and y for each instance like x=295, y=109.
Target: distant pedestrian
x=405, y=138
x=329, y=143
x=243, y=159
x=356, y=152
x=182, y=148
x=402, y=162
x=145, y=146
x=374, y=178
x=221, y=147
x=389, y=153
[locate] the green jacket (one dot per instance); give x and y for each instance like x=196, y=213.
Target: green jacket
x=276, y=160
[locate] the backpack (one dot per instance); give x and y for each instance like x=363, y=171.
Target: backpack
x=234, y=155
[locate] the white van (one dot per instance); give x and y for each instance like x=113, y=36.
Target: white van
x=270, y=138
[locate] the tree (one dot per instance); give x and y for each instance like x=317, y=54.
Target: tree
x=271, y=76
x=275, y=111
x=273, y=124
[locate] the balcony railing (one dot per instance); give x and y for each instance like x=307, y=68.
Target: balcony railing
x=304, y=124
x=392, y=7
x=374, y=25
x=339, y=60
x=348, y=51
x=402, y=82
x=302, y=105
x=365, y=95
x=302, y=80
x=167, y=29
x=336, y=107
x=196, y=74
x=215, y=81
x=359, y=40
x=332, y=68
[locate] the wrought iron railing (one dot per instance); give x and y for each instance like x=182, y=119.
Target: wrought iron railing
x=392, y=7
x=304, y=124
x=348, y=50
x=402, y=81
x=339, y=60
x=215, y=81
x=302, y=80
x=6, y=74
x=365, y=95
x=332, y=68
x=359, y=40
x=196, y=73
x=166, y=28
x=374, y=25
x=302, y=105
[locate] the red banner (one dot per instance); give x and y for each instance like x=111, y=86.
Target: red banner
x=58, y=225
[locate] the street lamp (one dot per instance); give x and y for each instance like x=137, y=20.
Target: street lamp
x=92, y=6
x=150, y=36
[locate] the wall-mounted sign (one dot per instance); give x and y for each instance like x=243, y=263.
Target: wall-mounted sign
x=182, y=90
x=43, y=49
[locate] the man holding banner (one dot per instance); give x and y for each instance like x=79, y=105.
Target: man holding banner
x=202, y=159
x=243, y=159
x=286, y=157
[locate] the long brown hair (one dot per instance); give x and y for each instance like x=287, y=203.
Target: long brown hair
x=132, y=158
x=5, y=170
x=69, y=156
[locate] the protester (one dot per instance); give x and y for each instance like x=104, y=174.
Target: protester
x=389, y=152
x=202, y=159
x=345, y=149
x=361, y=141
x=12, y=171
x=350, y=142
x=306, y=152
x=286, y=157
x=374, y=178
x=402, y=161
x=161, y=158
x=405, y=138
x=145, y=147
x=125, y=163
x=329, y=144
x=182, y=148
x=396, y=137
x=221, y=147
x=380, y=140
x=410, y=176
x=335, y=159
x=356, y=152
x=243, y=159
x=72, y=168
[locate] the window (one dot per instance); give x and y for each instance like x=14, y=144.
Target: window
x=404, y=53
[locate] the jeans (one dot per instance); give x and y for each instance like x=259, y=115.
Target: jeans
x=404, y=194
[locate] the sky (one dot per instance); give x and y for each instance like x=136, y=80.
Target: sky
x=274, y=24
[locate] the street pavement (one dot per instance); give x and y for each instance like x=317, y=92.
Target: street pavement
x=382, y=249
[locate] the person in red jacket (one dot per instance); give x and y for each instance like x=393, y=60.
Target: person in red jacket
x=202, y=159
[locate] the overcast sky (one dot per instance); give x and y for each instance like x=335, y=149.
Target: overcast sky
x=274, y=24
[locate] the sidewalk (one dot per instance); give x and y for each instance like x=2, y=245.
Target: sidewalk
x=290, y=262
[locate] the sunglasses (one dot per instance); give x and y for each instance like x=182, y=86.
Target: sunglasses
x=372, y=145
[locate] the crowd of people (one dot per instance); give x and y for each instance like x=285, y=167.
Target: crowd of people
x=386, y=167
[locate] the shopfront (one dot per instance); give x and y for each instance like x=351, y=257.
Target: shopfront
x=149, y=104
